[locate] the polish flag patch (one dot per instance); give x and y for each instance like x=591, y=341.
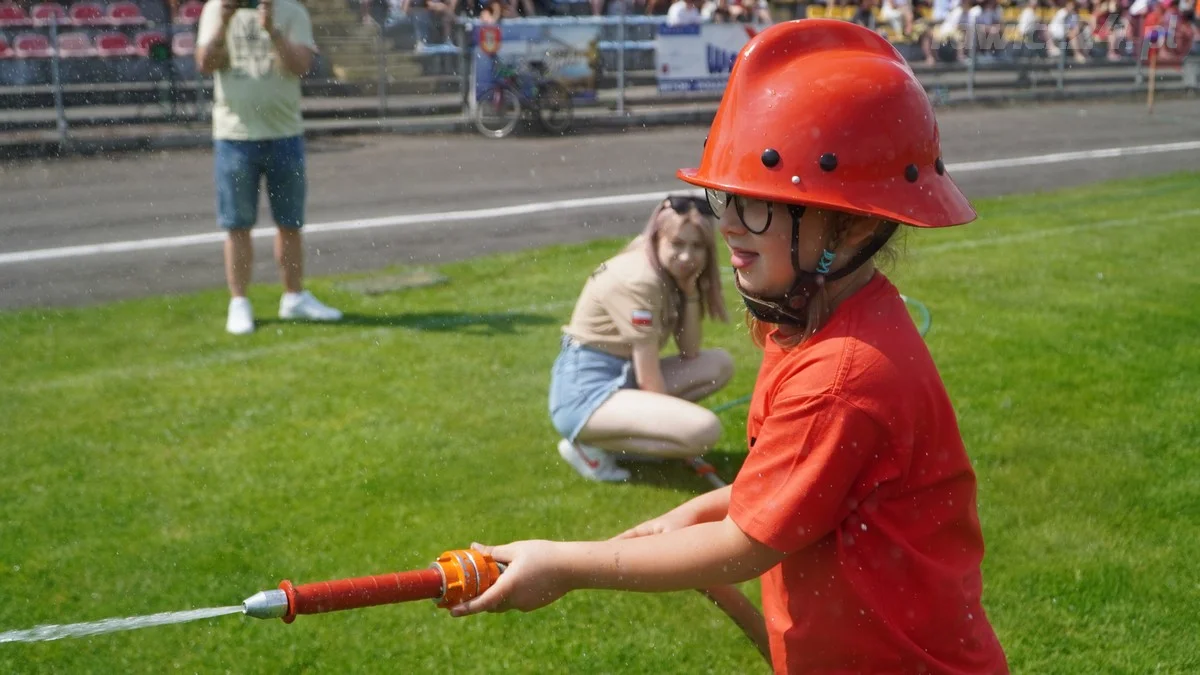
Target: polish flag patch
x=642, y=317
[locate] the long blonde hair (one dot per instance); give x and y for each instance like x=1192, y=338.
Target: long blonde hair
x=712, y=300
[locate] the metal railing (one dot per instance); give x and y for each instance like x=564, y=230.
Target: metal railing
x=384, y=74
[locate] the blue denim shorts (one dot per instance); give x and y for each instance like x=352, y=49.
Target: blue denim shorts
x=581, y=381
x=239, y=167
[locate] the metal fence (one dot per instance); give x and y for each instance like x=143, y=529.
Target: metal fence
x=386, y=73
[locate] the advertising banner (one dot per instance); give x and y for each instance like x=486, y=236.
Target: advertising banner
x=699, y=57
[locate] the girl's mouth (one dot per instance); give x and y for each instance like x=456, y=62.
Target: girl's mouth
x=741, y=258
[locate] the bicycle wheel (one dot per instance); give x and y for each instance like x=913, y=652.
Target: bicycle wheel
x=555, y=111
x=497, y=112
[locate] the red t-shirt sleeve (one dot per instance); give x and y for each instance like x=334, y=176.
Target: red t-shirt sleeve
x=795, y=485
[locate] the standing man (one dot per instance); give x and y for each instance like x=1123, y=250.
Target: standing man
x=259, y=49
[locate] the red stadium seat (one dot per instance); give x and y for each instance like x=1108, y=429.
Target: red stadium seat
x=189, y=12
x=6, y=52
x=87, y=14
x=146, y=39
x=32, y=46
x=125, y=14
x=75, y=45
x=13, y=15
x=184, y=44
x=113, y=45
x=45, y=13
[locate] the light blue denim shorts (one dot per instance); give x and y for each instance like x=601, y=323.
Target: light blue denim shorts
x=581, y=381
x=240, y=167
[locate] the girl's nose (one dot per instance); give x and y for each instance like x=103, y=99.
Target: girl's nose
x=730, y=224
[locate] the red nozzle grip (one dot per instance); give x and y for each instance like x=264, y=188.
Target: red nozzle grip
x=383, y=589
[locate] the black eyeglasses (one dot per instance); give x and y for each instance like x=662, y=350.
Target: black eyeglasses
x=755, y=214
x=681, y=204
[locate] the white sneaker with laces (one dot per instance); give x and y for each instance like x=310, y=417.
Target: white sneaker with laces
x=303, y=305
x=592, y=463
x=241, y=317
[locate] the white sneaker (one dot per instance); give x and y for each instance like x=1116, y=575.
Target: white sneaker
x=591, y=463
x=241, y=317
x=303, y=305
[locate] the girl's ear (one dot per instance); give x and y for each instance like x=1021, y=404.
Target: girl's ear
x=860, y=229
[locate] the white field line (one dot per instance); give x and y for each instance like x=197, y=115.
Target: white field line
x=1033, y=235
x=386, y=333
x=485, y=214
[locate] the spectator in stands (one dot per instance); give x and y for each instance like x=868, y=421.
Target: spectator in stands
x=1027, y=26
x=258, y=56
x=618, y=7
x=949, y=30
x=985, y=16
x=374, y=12
x=865, y=14
x=899, y=15
x=1107, y=24
x=684, y=12
x=1064, y=31
x=719, y=11
x=424, y=14
x=610, y=392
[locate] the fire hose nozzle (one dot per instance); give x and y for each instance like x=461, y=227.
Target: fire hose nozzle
x=457, y=576
x=271, y=604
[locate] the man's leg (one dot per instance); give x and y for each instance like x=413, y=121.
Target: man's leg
x=289, y=254
x=287, y=190
x=236, y=176
x=239, y=262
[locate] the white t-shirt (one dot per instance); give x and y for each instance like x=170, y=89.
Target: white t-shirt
x=681, y=13
x=1028, y=21
x=255, y=98
x=1063, y=21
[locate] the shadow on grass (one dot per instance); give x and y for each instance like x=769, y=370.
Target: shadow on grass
x=501, y=323
x=678, y=475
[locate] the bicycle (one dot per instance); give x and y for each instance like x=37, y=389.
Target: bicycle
x=502, y=106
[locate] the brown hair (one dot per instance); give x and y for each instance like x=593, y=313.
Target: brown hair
x=818, y=306
x=712, y=301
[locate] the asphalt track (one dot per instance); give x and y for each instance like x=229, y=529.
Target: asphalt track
x=378, y=200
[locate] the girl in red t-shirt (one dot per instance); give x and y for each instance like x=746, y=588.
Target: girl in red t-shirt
x=856, y=504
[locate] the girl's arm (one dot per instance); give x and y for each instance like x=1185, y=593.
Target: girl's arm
x=687, y=338
x=704, y=508
x=648, y=368
x=700, y=556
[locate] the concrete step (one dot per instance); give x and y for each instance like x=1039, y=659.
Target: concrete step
x=370, y=73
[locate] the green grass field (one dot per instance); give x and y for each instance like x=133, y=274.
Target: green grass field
x=151, y=463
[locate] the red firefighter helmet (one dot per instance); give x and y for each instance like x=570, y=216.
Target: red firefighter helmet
x=827, y=113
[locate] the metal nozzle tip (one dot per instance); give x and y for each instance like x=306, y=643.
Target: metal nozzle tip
x=271, y=604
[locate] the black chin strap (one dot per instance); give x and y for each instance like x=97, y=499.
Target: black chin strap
x=789, y=309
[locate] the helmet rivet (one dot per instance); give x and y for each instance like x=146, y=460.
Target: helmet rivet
x=939, y=166
x=910, y=173
x=795, y=180
x=828, y=161
x=770, y=158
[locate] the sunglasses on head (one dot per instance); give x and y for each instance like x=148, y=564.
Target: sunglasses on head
x=681, y=204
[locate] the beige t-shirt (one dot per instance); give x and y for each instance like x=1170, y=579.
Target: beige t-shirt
x=255, y=98
x=625, y=302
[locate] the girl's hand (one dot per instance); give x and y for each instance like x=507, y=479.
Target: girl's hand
x=531, y=580
x=693, y=285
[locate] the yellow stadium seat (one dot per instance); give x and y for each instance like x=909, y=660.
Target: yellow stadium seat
x=816, y=11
